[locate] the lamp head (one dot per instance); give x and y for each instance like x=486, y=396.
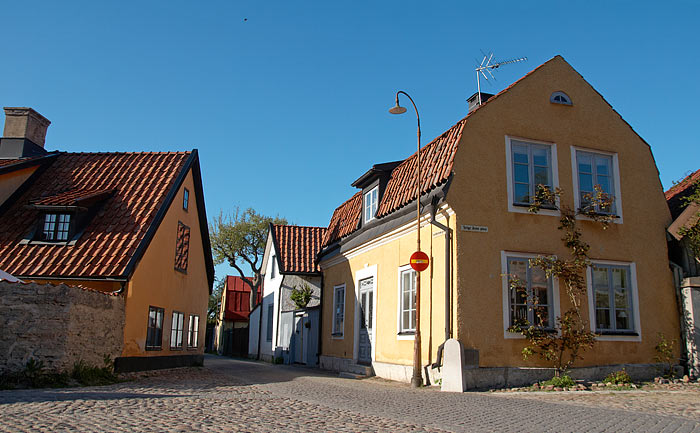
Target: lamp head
x=397, y=109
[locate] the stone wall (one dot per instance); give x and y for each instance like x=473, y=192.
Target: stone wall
x=58, y=325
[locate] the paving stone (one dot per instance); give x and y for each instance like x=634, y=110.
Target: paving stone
x=241, y=396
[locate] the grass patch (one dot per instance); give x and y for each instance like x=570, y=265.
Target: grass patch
x=618, y=378
x=559, y=382
x=35, y=375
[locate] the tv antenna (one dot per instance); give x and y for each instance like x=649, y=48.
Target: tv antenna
x=486, y=66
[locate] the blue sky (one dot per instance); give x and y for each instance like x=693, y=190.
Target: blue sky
x=287, y=100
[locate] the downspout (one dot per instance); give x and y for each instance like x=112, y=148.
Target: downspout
x=678, y=275
x=262, y=280
x=448, y=322
x=448, y=237
x=320, y=324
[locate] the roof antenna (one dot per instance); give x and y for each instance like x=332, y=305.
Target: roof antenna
x=487, y=66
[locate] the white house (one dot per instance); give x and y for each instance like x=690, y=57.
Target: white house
x=286, y=332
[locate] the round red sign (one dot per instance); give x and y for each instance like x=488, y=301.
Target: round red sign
x=419, y=261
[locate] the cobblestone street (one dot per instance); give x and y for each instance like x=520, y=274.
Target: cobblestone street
x=232, y=395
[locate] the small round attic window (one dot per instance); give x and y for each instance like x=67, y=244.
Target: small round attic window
x=560, y=98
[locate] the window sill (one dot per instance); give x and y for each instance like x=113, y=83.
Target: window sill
x=153, y=349
x=525, y=208
x=176, y=348
x=406, y=335
x=337, y=336
x=183, y=271
x=618, y=333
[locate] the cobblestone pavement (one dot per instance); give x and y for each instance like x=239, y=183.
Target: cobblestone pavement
x=231, y=395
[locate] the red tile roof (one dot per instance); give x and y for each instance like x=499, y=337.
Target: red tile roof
x=679, y=191
x=73, y=197
x=297, y=247
x=141, y=182
x=237, y=305
x=345, y=219
x=437, y=159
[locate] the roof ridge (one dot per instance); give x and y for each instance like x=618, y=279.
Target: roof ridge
x=298, y=225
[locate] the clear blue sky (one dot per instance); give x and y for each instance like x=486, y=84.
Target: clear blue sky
x=287, y=100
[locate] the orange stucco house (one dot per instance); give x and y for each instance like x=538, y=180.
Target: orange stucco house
x=127, y=223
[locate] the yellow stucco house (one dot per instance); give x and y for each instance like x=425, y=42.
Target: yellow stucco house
x=129, y=223
x=550, y=127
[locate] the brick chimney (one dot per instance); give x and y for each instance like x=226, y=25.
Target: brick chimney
x=24, y=134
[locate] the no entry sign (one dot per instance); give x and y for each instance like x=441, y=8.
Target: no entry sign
x=419, y=261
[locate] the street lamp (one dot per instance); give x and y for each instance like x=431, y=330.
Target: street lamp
x=417, y=379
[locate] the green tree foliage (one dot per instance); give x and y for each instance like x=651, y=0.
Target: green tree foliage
x=239, y=239
x=692, y=234
x=570, y=336
x=301, y=296
x=215, y=301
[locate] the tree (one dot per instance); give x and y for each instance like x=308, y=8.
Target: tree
x=301, y=296
x=239, y=239
x=692, y=233
x=215, y=301
x=570, y=337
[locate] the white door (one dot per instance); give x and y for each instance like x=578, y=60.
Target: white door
x=364, y=353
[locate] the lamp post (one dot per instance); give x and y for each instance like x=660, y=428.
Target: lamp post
x=417, y=379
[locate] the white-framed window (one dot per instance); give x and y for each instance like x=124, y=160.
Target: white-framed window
x=560, y=98
x=613, y=300
x=193, y=331
x=529, y=163
x=590, y=168
x=272, y=266
x=370, y=206
x=176, y=329
x=338, y=310
x=533, y=298
x=407, y=302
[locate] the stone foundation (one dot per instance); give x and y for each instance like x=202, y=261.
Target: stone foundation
x=58, y=325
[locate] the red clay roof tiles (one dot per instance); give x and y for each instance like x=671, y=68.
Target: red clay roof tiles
x=345, y=219
x=679, y=191
x=297, y=247
x=140, y=182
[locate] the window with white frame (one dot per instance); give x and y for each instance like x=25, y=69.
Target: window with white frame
x=272, y=268
x=371, y=198
x=531, y=165
x=592, y=169
x=338, y=310
x=193, y=331
x=176, y=330
x=407, y=301
x=530, y=298
x=613, y=297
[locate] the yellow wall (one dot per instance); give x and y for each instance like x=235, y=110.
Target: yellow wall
x=155, y=282
x=9, y=182
x=388, y=258
x=478, y=195
x=525, y=111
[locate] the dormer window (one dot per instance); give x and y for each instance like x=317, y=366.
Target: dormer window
x=56, y=227
x=62, y=217
x=560, y=98
x=371, y=200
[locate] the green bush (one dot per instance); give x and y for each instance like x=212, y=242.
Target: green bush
x=618, y=378
x=559, y=382
x=87, y=375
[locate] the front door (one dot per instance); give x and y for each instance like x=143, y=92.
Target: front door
x=364, y=353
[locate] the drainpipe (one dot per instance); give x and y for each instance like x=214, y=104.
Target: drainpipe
x=678, y=275
x=448, y=236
